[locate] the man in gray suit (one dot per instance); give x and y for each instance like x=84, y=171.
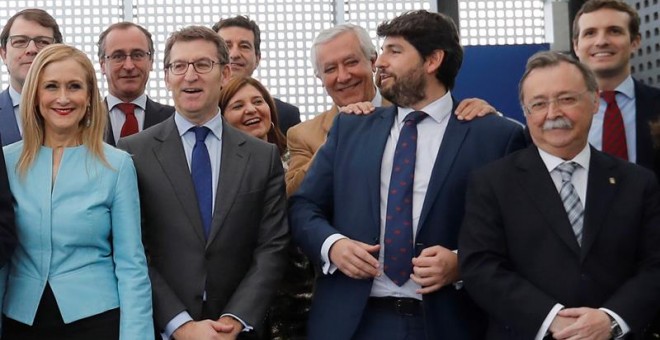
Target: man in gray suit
x=22, y=37
x=213, y=203
x=126, y=54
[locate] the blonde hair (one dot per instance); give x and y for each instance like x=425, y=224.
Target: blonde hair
x=92, y=126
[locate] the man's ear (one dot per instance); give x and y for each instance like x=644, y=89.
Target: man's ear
x=434, y=61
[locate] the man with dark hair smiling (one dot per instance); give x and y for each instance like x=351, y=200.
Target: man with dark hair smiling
x=22, y=37
x=380, y=207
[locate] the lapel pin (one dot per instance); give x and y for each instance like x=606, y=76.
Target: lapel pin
x=612, y=180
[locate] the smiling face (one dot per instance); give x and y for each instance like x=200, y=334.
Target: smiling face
x=604, y=43
x=196, y=95
x=401, y=76
x=63, y=98
x=249, y=112
x=346, y=73
x=126, y=80
x=243, y=58
x=19, y=60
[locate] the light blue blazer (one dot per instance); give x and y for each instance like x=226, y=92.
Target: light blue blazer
x=83, y=238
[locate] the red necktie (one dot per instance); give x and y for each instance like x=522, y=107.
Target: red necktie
x=614, y=133
x=130, y=125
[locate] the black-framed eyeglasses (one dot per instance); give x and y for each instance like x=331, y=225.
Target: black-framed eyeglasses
x=201, y=66
x=22, y=41
x=136, y=56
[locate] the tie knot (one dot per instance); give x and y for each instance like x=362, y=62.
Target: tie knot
x=608, y=96
x=127, y=108
x=415, y=117
x=200, y=133
x=566, y=170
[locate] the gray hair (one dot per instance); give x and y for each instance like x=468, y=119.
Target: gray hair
x=545, y=59
x=366, y=45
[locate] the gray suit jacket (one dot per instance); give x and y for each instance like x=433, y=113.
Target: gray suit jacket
x=240, y=265
x=154, y=113
x=9, y=132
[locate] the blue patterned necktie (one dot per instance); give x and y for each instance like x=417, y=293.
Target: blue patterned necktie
x=570, y=198
x=398, y=224
x=201, y=175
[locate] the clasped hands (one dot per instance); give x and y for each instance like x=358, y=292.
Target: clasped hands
x=581, y=323
x=225, y=327
x=434, y=268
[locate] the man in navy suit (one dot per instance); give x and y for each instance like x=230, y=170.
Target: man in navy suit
x=22, y=37
x=126, y=54
x=243, y=37
x=341, y=216
x=561, y=240
x=605, y=34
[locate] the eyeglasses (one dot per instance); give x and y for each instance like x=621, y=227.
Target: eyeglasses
x=201, y=66
x=564, y=101
x=136, y=56
x=22, y=41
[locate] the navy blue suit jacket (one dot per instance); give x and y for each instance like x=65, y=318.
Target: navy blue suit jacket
x=9, y=132
x=341, y=194
x=647, y=110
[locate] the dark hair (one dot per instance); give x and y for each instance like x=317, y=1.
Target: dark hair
x=192, y=33
x=39, y=16
x=243, y=22
x=429, y=32
x=545, y=59
x=123, y=26
x=275, y=136
x=595, y=5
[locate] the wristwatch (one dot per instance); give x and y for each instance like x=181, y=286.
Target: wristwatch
x=615, y=330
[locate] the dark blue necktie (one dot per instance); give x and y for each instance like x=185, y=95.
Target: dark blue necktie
x=398, y=224
x=201, y=176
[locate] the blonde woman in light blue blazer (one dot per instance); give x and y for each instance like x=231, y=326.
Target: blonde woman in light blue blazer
x=79, y=270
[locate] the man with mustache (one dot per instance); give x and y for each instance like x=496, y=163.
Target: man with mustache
x=24, y=35
x=126, y=54
x=243, y=37
x=560, y=240
x=380, y=207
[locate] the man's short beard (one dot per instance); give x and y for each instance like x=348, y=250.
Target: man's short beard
x=407, y=90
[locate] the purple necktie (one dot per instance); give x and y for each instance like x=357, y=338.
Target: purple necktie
x=398, y=224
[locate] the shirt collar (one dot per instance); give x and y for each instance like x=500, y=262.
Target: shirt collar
x=438, y=110
x=627, y=87
x=378, y=99
x=215, y=124
x=552, y=161
x=140, y=101
x=15, y=96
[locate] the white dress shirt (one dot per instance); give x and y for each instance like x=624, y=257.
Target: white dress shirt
x=117, y=117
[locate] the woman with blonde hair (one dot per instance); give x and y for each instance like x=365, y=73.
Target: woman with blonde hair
x=79, y=270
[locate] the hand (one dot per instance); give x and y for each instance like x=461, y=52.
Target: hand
x=471, y=108
x=354, y=258
x=236, y=325
x=559, y=323
x=201, y=330
x=590, y=323
x=434, y=268
x=358, y=108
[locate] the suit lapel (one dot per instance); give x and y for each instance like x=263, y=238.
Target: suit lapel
x=151, y=113
x=109, y=135
x=535, y=179
x=647, y=111
x=601, y=190
x=374, y=148
x=451, y=144
x=233, y=166
x=172, y=159
x=8, y=125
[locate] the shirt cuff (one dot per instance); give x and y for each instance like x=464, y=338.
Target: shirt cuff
x=328, y=267
x=545, y=326
x=174, y=324
x=624, y=326
x=246, y=327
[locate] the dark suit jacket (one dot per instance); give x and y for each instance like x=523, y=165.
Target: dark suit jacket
x=7, y=223
x=240, y=264
x=9, y=132
x=287, y=114
x=647, y=107
x=154, y=113
x=519, y=255
x=341, y=194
